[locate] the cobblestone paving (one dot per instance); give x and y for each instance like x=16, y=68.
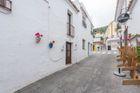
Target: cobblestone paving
x=92, y=75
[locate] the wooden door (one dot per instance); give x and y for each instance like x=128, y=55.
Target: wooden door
x=68, y=53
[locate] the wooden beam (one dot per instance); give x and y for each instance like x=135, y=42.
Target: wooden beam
x=131, y=82
x=126, y=68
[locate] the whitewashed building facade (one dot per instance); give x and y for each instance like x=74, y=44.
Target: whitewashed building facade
x=131, y=7
x=112, y=38
x=64, y=28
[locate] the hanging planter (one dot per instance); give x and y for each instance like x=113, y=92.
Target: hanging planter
x=51, y=44
x=38, y=37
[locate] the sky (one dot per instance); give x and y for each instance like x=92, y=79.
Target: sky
x=102, y=12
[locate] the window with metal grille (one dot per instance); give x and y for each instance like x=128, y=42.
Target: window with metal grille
x=83, y=43
x=6, y=5
x=2, y=2
x=84, y=21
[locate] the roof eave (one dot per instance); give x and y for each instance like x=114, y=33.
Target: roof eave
x=73, y=5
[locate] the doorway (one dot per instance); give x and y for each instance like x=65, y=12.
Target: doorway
x=68, y=52
x=109, y=47
x=88, y=48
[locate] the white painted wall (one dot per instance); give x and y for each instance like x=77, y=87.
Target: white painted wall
x=134, y=22
x=97, y=39
x=22, y=60
x=134, y=42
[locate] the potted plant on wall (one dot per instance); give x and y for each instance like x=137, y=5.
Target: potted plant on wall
x=38, y=37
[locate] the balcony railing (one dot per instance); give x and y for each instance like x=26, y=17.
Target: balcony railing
x=71, y=30
x=6, y=4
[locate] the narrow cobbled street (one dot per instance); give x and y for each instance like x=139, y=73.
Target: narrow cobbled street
x=91, y=75
x=69, y=46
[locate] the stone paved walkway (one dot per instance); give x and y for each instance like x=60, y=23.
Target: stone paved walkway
x=92, y=75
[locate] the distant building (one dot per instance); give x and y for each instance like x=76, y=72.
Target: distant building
x=112, y=38
x=99, y=38
x=135, y=40
x=40, y=37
